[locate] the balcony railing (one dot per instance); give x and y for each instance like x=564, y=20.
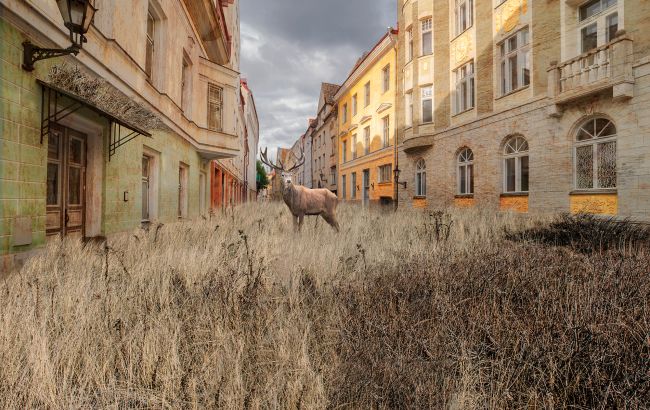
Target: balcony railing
x=598, y=70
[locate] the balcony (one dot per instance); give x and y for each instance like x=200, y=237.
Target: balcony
x=605, y=68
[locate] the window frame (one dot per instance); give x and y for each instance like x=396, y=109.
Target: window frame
x=344, y=150
x=469, y=14
x=423, y=99
x=345, y=113
x=211, y=104
x=519, y=152
x=426, y=27
x=522, y=54
x=420, y=178
x=366, y=94
x=384, y=173
x=600, y=20
x=385, y=78
x=463, y=76
x=595, y=142
x=353, y=185
x=366, y=140
x=355, y=104
x=344, y=187
x=150, y=48
x=409, y=48
x=385, y=136
x=465, y=166
x=354, y=146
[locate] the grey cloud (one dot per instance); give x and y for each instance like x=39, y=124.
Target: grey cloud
x=290, y=46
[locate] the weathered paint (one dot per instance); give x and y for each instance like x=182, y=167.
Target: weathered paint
x=464, y=202
x=514, y=203
x=598, y=204
x=419, y=203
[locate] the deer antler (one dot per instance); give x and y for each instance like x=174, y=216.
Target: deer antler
x=266, y=161
x=300, y=161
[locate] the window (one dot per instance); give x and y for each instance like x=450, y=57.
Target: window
x=353, y=188
x=385, y=172
x=344, y=151
x=354, y=105
x=515, y=62
x=186, y=84
x=151, y=43
x=366, y=90
x=409, y=49
x=598, y=23
x=333, y=174
x=464, y=15
x=466, y=172
x=344, y=113
x=366, y=140
x=427, y=104
x=333, y=145
x=464, y=94
x=202, y=192
x=420, y=178
x=386, y=78
x=427, y=39
x=408, y=106
x=354, y=146
x=182, y=191
x=385, y=135
x=343, y=186
x=595, y=155
x=515, y=165
x=215, y=103
x=146, y=188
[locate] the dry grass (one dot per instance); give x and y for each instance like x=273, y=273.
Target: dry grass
x=402, y=310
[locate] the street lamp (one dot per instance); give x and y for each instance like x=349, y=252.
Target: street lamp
x=77, y=16
x=397, y=171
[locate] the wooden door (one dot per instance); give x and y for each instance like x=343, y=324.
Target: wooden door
x=66, y=182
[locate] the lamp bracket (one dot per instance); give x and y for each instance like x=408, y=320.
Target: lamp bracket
x=32, y=53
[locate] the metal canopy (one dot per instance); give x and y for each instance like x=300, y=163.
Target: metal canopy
x=52, y=110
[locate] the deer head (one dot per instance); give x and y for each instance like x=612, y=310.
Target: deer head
x=285, y=173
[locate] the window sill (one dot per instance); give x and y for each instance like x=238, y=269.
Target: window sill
x=460, y=196
x=508, y=94
x=604, y=191
x=462, y=112
x=385, y=183
x=461, y=33
x=514, y=194
x=425, y=55
x=419, y=197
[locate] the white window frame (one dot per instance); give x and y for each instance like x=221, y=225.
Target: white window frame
x=385, y=136
x=595, y=141
x=409, y=45
x=465, y=166
x=421, y=178
x=515, y=148
x=426, y=28
x=426, y=94
x=601, y=21
x=384, y=173
x=464, y=98
x=520, y=56
x=463, y=10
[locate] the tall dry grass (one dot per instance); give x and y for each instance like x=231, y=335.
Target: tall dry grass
x=444, y=310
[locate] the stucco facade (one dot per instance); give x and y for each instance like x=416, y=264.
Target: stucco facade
x=167, y=71
x=325, y=140
x=568, y=85
x=366, y=116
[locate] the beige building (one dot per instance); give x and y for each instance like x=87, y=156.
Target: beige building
x=525, y=105
x=324, y=154
x=152, y=97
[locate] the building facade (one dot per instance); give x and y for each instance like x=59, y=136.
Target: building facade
x=74, y=164
x=325, y=140
x=366, y=118
x=252, y=128
x=525, y=105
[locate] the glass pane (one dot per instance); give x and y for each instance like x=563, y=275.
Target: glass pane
x=589, y=37
x=53, y=145
x=587, y=131
x=145, y=200
x=585, y=167
x=504, y=73
x=74, y=186
x=524, y=173
x=607, y=165
x=427, y=111
x=601, y=125
x=426, y=43
x=463, y=179
x=526, y=68
x=612, y=26
x=590, y=9
x=510, y=175
x=524, y=36
x=145, y=166
x=76, y=150
x=512, y=43
x=52, y=184
x=424, y=184
x=470, y=177
x=514, y=80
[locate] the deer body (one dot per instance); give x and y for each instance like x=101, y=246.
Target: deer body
x=305, y=201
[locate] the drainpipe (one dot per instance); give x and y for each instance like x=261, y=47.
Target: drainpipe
x=395, y=138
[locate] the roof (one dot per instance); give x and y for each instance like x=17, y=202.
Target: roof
x=329, y=91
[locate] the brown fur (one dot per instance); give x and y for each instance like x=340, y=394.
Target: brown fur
x=305, y=201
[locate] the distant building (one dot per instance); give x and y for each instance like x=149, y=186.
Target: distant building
x=325, y=140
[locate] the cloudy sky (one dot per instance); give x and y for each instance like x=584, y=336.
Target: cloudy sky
x=290, y=46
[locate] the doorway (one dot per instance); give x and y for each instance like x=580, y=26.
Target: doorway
x=366, y=187
x=66, y=182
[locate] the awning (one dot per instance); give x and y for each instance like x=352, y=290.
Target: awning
x=51, y=112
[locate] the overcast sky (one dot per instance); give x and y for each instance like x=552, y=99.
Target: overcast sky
x=288, y=47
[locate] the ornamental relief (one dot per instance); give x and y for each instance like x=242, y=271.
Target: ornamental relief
x=462, y=48
x=508, y=15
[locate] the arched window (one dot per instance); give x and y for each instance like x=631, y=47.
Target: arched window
x=466, y=172
x=515, y=165
x=595, y=155
x=420, y=178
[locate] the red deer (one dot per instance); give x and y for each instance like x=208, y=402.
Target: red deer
x=301, y=200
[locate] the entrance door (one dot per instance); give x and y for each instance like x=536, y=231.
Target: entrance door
x=66, y=174
x=366, y=187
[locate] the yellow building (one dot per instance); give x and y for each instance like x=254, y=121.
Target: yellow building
x=366, y=103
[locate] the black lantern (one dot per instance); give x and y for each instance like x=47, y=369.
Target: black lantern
x=397, y=171
x=77, y=16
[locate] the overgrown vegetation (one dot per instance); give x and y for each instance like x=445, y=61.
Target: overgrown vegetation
x=406, y=310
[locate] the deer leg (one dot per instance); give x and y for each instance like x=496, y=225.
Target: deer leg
x=331, y=220
x=300, y=220
x=295, y=223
